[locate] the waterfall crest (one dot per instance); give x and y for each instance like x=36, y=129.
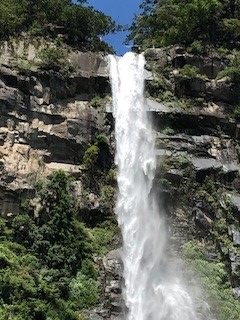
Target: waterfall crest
x=152, y=290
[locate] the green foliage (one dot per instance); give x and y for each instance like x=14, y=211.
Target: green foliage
x=167, y=96
x=189, y=71
x=232, y=73
x=237, y=112
x=53, y=58
x=157, y=86
x=96, y=102
x=215, y=281
x=208, y=186
x=168, y=130
x=90, y=157
x=11, y=17
x=208, y=192
x=231, y=27
x=83, y=291
x=192, y=251
x=81, y=25
x=111, y=178
x=103, y=237
x=202, y=22
x=97, y=160
x=24, y=66
x=197, y=47
x=108, y=195
x=102, y=141
x=46, y=261
x=233, y=70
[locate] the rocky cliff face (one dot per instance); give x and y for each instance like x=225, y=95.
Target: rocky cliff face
x=197, y=129
x=48, y=119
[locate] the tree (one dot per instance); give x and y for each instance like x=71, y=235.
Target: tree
x=55, y=236
x=82, y=25
x=167, y=22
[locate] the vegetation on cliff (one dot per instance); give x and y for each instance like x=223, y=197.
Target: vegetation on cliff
x=47, y=268
x=205, y=22
x=46, y=257
x=79, y=24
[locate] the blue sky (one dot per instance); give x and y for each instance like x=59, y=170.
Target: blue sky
x=122, y=11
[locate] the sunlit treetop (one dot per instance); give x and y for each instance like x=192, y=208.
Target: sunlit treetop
x=80, y=24
x=168, y=22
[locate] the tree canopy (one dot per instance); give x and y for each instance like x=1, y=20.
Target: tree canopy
x=79, y=23
x=167, y=22
x=46, y=258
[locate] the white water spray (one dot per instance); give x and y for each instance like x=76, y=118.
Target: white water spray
x=152, y=290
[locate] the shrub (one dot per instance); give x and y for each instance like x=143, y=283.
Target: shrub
x=189, y=71
x=233, y=73
x=96, y=102
x=233, y=70
x=53, y=58
x=197, y=47
x=237, y=112
x=90, y=157
x=103, y=236
x=83, y=291
x=167, y=96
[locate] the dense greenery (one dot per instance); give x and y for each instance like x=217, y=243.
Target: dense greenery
x=46, y=257
x=167, y=22
x=80, y=24
x=215, y=280
x=233, y=70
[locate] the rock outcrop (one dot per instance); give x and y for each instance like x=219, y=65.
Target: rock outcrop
x=47, y=121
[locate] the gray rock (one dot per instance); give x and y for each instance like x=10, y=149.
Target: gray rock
x=236, y=292
x=205, y=163
x=235, y=199
x=234, y=232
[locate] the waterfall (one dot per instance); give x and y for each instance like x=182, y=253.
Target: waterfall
x=152, y=288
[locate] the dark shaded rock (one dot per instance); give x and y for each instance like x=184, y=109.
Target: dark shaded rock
x=8, y=76
x=202, y=221
x=209, y=66
x=194, y=87
x=174, y=176
x=224, y=91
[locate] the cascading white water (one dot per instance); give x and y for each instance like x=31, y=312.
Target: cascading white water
x=152, y=290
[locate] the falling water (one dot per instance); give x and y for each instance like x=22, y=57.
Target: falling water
x=152, y=289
